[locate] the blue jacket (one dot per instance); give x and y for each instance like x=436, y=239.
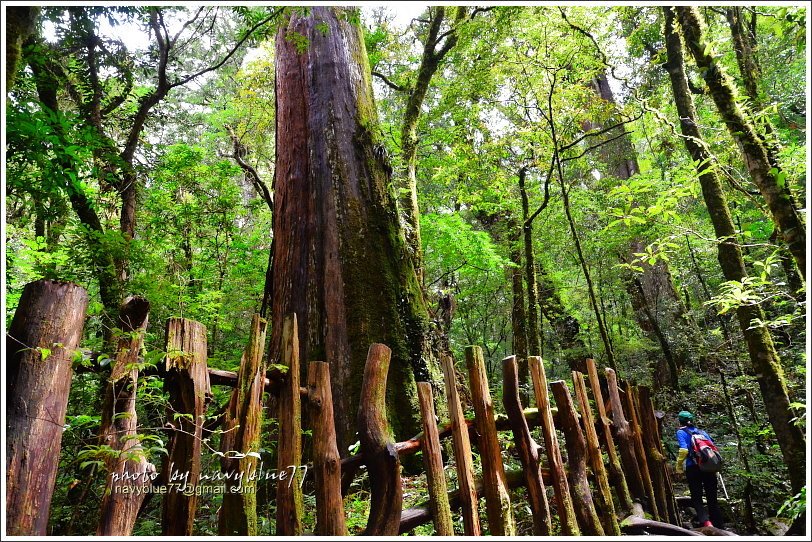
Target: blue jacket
x=684, y=440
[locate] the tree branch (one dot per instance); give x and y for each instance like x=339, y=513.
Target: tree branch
x=390, y=83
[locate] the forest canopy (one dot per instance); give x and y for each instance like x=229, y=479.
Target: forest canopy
x=620, y=183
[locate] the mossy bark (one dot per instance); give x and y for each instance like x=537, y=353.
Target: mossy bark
x=129, y=473
x=241, y=426
x=340, y=257
x=759, y=158
x=20, y=23
x=433, y=54
x=533, y=333
x=760, y=346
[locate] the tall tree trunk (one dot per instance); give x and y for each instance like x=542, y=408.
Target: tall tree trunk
x=760, y=159
x=765, y=359
x=658, y=308
x=340, y=257
x=433, y=54
x=517, y=312
x=533, y=336
x=43, y=335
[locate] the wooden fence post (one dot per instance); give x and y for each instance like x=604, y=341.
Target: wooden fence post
x=640, y=450
x=330, y=520
x=289, y=502
x=631, y=468
x=242, y=424
x=46, y=329
x=527, y=448
x=656, y=458
x=576, y=455
x=497, y=499
x=462, y=451
x=187, y=381
x=378, y=448
x=566, y=512
x=607, y=506
x=130, y=474
x=433, y=460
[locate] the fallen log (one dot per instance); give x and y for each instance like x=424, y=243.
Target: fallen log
x=638, y=526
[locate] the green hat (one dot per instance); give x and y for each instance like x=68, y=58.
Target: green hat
x=685, y=416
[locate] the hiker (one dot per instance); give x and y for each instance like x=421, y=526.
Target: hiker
x=698, y=479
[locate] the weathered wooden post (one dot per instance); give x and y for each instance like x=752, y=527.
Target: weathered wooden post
x=576, y=455
x=640, y=450
x=378, y=448
x=45, y=331
x=130, y=474
x=462, y=452
x=527, y=448
x=656, y=458
x=497, y=499
x=433, y=460
x=566, y=512
x=330, y=520
x=187, y=381
x=289, y=502
x=615, y=470
x=623, y=432
x=241, y=434
x=607, y=506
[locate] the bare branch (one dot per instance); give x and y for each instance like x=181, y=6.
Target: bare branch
x=389, y=83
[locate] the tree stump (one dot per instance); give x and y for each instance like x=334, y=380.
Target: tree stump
x=462, y=452
x=566, y=511
x=187, y=381
x=576, y=455
x=45, y=331
x=433, y=460
x=130, y=475
x=241, y=434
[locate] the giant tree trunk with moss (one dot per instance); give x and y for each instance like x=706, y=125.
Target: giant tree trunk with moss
x=340, y=257
x=759, y=343
x=759, y=158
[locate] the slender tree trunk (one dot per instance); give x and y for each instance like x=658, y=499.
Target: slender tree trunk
x=765, y=359
x=533, y=338
x=433, y=54
x=517, y=312
x=759, y=158
x=610, y=356
x=340, y=258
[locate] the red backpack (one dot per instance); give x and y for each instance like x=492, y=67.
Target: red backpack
x=704, y=452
